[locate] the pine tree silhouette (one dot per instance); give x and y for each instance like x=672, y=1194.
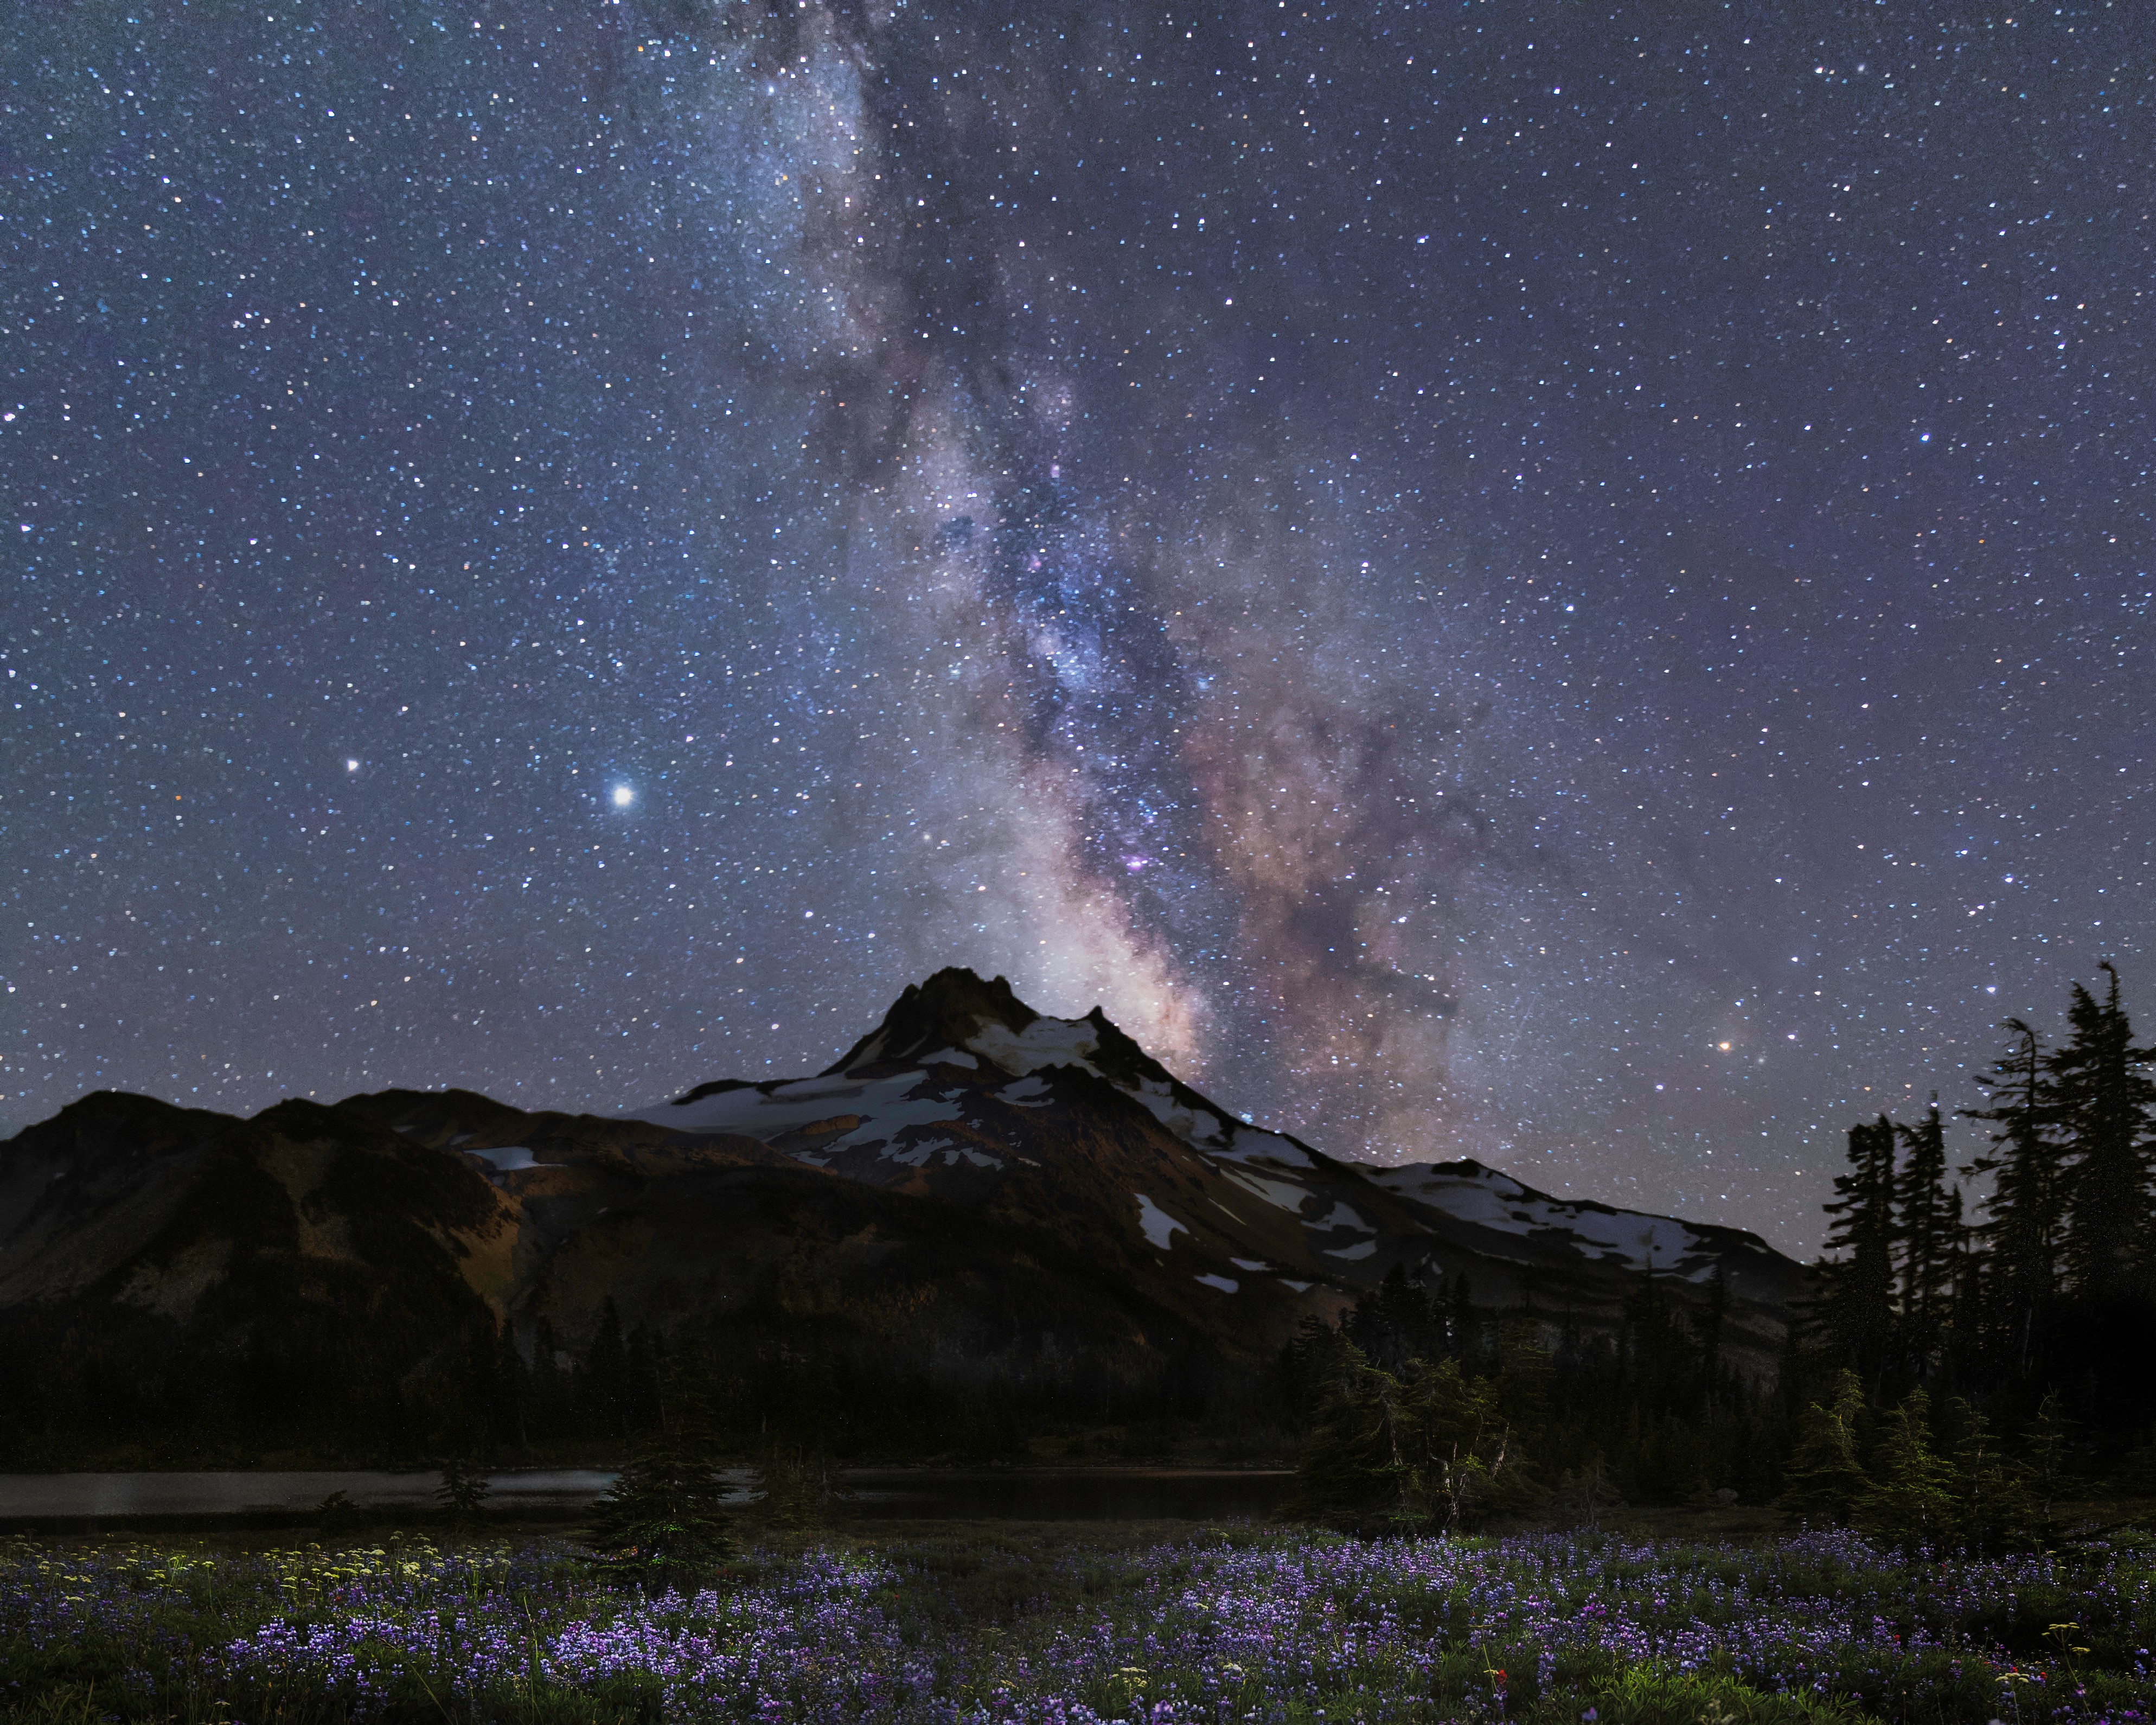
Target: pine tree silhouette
x=1927, y=1226
x=2023, y=1216
x=511, y=1388
x=1857, y=1309
x=606, y=1373
x=2104, y=1099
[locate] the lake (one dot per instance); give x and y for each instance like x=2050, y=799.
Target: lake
x=954, y=1494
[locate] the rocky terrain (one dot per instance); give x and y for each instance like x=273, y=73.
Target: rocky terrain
x=977, y=1200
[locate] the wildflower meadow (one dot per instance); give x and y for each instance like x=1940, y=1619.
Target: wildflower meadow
x=1076, y=1626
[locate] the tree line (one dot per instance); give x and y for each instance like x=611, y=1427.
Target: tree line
x=1423, y=1410
x=2042, y=1289
x=1964, y=1365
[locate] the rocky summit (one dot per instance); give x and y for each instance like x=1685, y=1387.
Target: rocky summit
x=978, y=1208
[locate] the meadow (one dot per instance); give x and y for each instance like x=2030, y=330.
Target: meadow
x=1072, y=1626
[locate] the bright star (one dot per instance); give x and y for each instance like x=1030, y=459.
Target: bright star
x=350, y=766
x=623, y=796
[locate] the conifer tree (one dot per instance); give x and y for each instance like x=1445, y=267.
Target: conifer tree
x=2047, y=1445
x=798, y=1481
x=2104, y=1099
x=1390, y=1322
x=511, y=1387
x=464, y=1489
x=1857, y=1309
x=1525, y=1374
x=1824, y=1477
x=546, y=1388
x=663, y=1521
x=606, y=1372
x=1710, y=1323
x=1911, y=1498
x=2021, y=1233
x=1428, y=1448
x=1664, y=1354
x=1463, y=1322
x=1927, y=1217
x=1320, y=1361
x=1992, y=1507
x=1355, y=1470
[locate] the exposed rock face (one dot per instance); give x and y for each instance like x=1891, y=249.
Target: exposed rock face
x=976, y=1195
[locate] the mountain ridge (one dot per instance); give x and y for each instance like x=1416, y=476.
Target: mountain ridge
x=978, y=1203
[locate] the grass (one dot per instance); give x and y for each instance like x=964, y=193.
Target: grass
x=1072, y=1624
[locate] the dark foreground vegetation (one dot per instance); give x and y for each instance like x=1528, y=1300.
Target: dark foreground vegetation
x=1066, y=1626
x=1962, y=1368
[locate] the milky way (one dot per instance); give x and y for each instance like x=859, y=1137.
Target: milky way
x=1566, y=586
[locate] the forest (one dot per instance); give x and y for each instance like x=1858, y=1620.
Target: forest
x=1981, y=1344
x=1963, y=1366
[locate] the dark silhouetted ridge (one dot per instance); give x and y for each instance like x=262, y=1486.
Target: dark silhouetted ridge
x=941, y=1013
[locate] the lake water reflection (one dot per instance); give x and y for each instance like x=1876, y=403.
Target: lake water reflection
x=986, y=1494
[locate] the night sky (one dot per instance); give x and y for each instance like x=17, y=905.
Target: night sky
x=1561, y=583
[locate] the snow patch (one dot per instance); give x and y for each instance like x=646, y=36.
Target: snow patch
x=1252, y=1143
x=506, y=1160
x=1254, y=1264
x=1497, y=1201
x=1030, y=1091
x=1634, y=1236
x=1194, y=1126
x=886, y=1105
x=1344, y=1215
x=1301, y=1287
x=1227, y=1284
x=1155, y=1223
x=1044, y=1042
x=913, y=1155
x=1282, y=1194
x=951, y=1057
x=1362, y=1250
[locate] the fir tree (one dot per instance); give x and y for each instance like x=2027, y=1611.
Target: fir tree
x=1991, y=1504
x=2103, y=1098
x=1463, y=1320
x=663, y=1522
x=1428, y=1449
x=1355, y=1470
x=1857, y=1309
x=1927, y=1216
x=1468, y=1457
x=798, y=1483
x=511, y=1383
x=547, y=1389
x=1911, y=1498
x=2046, y=1469
x=1710, y=1324
x=1390, y=1322
x=1824, y=1477
x=1525, y=1376
x=464, y=1488
x=606, y=1372
x=2021, y=1231
x=1320, y=1361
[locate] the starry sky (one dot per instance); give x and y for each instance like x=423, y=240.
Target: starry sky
x=1570, y=584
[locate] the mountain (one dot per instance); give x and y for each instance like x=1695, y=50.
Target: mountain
x=979, y=1214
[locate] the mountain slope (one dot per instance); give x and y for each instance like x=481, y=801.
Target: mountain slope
x=965, y=1092
x=976, y=1201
